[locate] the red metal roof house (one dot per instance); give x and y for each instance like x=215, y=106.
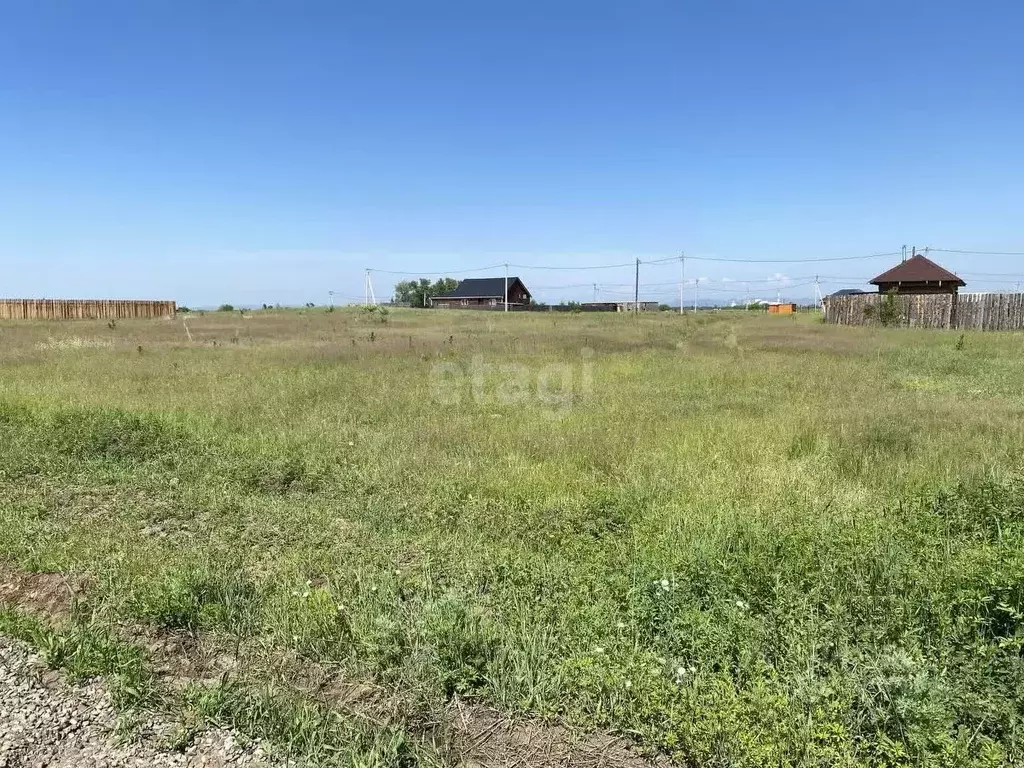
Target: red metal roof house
x=917, y=275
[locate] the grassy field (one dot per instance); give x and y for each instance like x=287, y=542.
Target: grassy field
x=734, y=540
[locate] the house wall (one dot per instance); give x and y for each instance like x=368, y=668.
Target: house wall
x=913, y=289
x=516, y=296
x=467, y=303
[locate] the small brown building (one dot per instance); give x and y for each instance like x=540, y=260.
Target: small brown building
x=485, y=293
x=917, y=275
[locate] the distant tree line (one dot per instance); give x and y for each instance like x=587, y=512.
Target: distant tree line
x=417, y=293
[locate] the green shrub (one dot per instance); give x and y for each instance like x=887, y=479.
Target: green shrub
x=279, y=473
x=464, y=646
x=112, y=434
x=889, y=311
x=200, y=599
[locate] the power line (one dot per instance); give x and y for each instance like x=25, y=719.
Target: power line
x=978, y=253
x=794, y=261
x=992, y=274
x=439, y=271
x=736, y=286
x=674, y=259
x=592, y=266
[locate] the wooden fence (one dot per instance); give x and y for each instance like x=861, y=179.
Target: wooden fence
x=967, y=311
x=83, y=309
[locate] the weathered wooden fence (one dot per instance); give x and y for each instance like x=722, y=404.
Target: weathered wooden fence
x=967, y=311
x=83, y=309
x=990, y=311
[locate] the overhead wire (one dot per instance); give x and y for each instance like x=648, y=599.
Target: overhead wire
x=435, y=271
x=735, y=285
x=977, y=253
x=674, y=259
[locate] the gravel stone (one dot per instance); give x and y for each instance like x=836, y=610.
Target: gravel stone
x=46, y=722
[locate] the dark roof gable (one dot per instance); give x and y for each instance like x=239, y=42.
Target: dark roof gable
x=483, y=288
x=917, y=269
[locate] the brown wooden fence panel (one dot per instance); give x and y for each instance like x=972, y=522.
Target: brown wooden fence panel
x=82, y=309
x=968, y=311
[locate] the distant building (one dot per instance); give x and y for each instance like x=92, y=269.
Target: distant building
x=917, y=275
x=619, y=306
x=847, y=292
x=485, y=293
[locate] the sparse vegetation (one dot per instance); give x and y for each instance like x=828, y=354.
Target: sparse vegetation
x=225, y=308
x=749, y=544
x=887, y=312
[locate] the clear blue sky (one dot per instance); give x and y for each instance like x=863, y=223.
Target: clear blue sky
x=254, y=151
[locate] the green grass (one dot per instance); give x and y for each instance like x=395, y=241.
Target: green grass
x=84, y=652
x=752, y=541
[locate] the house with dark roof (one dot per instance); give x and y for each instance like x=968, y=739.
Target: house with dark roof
x=485, y=293
x=917, y=275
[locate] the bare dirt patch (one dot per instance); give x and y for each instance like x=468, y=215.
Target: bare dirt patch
x=487, y=738
x=49, y=595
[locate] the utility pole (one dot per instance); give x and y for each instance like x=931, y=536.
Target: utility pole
x=696, y=288
x=370, y=298
x=595, y=293
x=636, y=288
x=904, y=253
x=331, y=294
x=366, y=289
x=817, y=293
x=682, y=275
x=506, y=286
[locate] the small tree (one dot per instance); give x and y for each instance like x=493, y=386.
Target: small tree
x=887, y=311
x=225, y=308
x=890, y=313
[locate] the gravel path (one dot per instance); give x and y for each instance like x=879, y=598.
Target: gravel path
x=47, y=723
